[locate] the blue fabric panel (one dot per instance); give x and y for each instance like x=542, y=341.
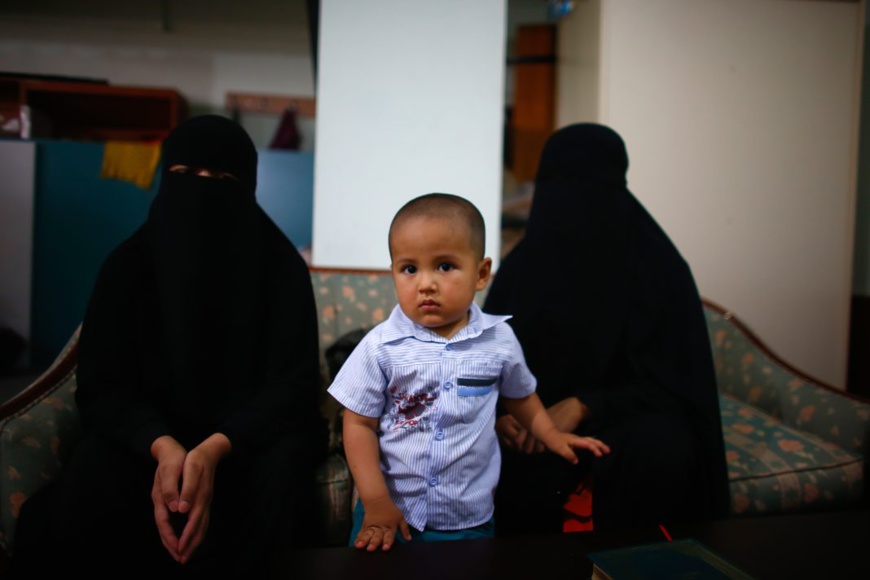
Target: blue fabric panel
x=285, y=191
x=78, y=219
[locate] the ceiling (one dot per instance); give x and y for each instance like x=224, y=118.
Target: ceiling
x=272, y=26
x=265, y=25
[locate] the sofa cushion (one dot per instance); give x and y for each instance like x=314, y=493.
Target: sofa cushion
x=775, y=468
x=348, y=301
x=834, y=416
x=354, y=299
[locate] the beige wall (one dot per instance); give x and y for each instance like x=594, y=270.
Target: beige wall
x=741, y=121
x=580, y=68
x=861, y=275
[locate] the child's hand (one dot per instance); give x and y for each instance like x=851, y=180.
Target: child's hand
x=378, y=530
x=564, y=444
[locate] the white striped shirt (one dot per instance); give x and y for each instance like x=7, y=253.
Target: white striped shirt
x=435, y=399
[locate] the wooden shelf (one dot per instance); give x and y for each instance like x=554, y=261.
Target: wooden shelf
x=91, y=110
x=270, y=104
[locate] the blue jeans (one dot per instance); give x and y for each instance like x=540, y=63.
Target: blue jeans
x=484, y=530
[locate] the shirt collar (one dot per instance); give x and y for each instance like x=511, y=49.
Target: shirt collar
x=399, y=326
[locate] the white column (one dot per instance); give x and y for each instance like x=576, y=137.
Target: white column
x=409, y=101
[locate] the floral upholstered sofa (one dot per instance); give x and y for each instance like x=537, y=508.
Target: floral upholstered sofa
x=792, y=442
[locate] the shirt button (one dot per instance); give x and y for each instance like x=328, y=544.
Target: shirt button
x=448, y=385
x=433, y=481
x=439, y=434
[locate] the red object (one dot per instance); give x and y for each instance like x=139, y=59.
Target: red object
x=578, y=509
x=665, y=532
x=287, y=136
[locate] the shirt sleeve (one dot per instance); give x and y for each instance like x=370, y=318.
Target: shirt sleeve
x=517, y=381
x=361, y=383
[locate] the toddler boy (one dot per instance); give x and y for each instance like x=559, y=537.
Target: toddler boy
x=420, y=390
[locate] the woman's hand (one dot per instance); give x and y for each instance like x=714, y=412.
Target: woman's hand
x=170, y=456
x=197, y=491
x=191, y=504
x=512, y=434
x=568, y=413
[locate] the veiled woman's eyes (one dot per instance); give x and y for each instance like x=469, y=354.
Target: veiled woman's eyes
x=202, y=172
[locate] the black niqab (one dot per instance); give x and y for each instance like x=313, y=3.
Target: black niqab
x=207, y=238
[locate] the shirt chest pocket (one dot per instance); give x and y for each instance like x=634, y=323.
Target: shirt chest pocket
x=476, y=387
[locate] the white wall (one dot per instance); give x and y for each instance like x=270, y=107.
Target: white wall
x=410, y=101
x=741, y=123
x=17, y=161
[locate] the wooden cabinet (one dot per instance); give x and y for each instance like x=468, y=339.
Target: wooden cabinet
x=533, y=115
x=87, y=110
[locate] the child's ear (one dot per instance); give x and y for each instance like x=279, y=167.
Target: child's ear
x=484, y=273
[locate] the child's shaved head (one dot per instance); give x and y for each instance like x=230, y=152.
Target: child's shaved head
x=446, y=206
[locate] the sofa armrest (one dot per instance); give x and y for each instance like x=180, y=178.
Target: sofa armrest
x=38, y=429
x=748, y=370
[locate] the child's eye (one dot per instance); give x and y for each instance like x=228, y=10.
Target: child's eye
x=409, y=270
x=445, y=267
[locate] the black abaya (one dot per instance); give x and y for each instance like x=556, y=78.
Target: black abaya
x=202, y=322
x=607, y=311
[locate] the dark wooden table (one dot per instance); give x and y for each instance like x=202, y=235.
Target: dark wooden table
x=821, y=545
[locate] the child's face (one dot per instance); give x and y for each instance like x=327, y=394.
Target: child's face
x=436, y=272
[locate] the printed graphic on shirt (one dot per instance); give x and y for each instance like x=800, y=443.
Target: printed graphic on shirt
x=475, y=387
x=410, y=410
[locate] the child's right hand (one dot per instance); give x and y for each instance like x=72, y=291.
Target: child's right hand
x=378, y=530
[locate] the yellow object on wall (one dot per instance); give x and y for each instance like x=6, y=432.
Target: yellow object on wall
x=131, y=161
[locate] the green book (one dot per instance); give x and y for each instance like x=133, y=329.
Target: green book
x=677, y=560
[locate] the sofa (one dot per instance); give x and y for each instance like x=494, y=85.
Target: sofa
x=792, y=442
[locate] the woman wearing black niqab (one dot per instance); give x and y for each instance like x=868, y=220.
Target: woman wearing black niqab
x=612, y=326
x=198, y=372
